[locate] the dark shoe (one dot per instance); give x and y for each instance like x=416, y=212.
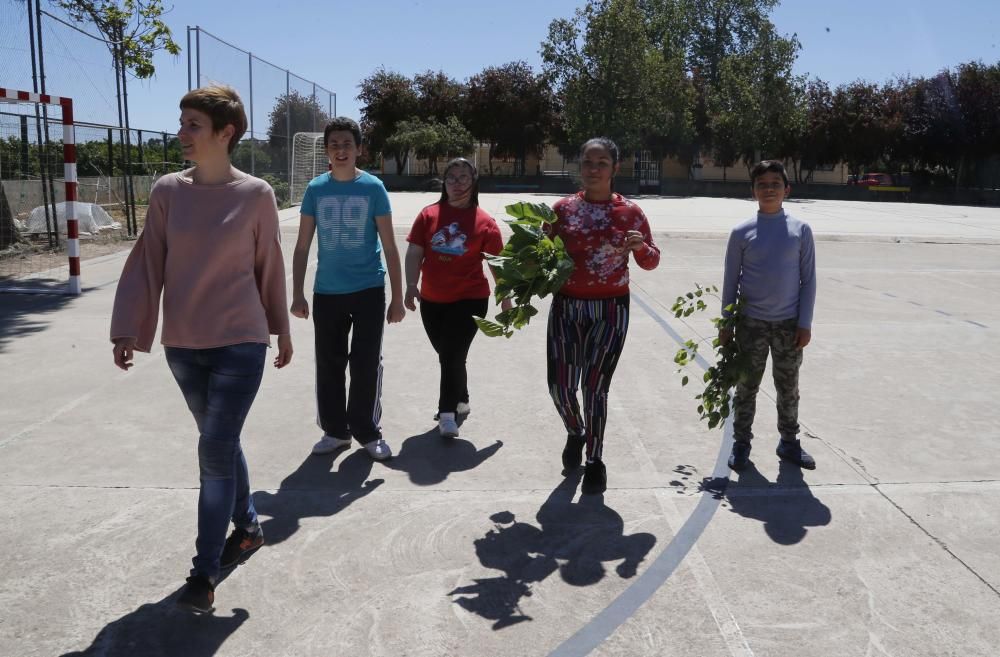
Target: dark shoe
x=240, y=545
x=572, y=455
x=197, y=595
x=740, y=458
x=791, y=451
x=595, y=478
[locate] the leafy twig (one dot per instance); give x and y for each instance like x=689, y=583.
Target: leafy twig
x=731, y=365
x=530, y=264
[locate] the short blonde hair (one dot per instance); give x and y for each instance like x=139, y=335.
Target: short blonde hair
x=223, y=106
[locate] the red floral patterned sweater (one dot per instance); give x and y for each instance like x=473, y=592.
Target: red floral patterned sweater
x=594, y=234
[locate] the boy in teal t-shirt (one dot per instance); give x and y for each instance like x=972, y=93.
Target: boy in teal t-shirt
x=348, y=210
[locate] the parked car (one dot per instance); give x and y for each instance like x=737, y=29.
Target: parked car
x=871, y=180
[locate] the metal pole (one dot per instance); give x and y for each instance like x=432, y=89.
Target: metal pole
x=252, y=149
x=314, y=102
x=25, y=159
x=288, y=126
x=334, y=105
x=111, y=160
x=189, y=59
x=49, y=193
x=197, y=61
x=164, y=152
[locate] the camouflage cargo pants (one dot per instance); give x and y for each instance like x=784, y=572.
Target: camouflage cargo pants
x=757, y=337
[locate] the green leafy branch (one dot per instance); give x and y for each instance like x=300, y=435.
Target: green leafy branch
x=531, y=264
x=731, y=365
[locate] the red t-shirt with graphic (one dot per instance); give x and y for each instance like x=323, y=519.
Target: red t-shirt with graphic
x=454, y=241
x=594, y=234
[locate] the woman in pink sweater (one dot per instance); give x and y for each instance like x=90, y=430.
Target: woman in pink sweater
x=211, y=246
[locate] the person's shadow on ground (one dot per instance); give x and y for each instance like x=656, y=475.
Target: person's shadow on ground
x=787, y=507
x=21, y=314
x=314, y=490
x=574, y=538
x=428, y=458
x=160, y=629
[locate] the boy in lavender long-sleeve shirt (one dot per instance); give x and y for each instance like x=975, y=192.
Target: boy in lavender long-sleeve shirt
x=771, y=268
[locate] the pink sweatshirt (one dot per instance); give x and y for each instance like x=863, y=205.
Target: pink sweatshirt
x=214, y=252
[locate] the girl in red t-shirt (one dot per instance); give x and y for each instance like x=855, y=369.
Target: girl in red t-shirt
x=589, y=316
x=445, y=254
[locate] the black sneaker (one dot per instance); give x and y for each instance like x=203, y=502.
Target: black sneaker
x=595, y=478
x=572, y=455
x=240, y=545
x=197, y=595
x=740, y=457
x=791, y=451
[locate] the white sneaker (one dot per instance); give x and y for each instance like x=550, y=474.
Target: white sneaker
x=329, y=444
x=463, y=408
x=378, y=450
x=447, y=426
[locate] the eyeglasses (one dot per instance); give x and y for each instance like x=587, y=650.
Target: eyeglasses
x=463, y=179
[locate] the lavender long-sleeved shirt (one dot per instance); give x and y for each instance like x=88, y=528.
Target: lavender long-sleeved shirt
x=771, y=264
x=214, y=252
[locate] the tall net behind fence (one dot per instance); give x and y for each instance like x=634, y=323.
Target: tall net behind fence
x=279, y=104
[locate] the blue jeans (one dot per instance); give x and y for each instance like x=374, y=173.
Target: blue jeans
x=219, y=386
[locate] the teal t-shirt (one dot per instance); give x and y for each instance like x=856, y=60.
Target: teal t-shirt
x=349, y=250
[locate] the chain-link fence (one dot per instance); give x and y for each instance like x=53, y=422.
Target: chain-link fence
x=279, y=104
x=33, y=229
x=44, y=51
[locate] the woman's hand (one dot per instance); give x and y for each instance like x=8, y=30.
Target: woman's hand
x=123, y=352
x=285, y=351
x=412, y=295
x=300, y=308
x=633, y=241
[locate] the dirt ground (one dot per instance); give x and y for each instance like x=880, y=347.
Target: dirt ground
x=35, y=255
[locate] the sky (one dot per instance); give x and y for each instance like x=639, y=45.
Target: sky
x=336, y=44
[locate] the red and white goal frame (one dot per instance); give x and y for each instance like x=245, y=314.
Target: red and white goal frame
x=69, y=167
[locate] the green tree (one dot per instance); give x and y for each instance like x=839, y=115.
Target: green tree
x=511, y=109
x=388, y=98
x=816, y=143
x=720, y=40
x=292, y=113
x=261, y=162
x=133, y=31
x=431, y=140
x=438, y=95
x=858, y=124
x=614, y=80
x=976, y=88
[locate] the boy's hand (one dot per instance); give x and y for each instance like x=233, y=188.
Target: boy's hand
x=284, y=351
x=506, y=305
x=412, y=295
x=300, y=308
x=725, y=335
x=123, y=352
x=396, y=312
x=802, y=337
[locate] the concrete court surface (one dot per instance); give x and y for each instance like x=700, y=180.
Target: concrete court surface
x=480, y=546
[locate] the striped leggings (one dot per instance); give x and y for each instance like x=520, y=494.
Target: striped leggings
x=585, y=339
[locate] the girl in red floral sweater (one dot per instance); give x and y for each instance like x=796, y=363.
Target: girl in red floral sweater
x=589, y=316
